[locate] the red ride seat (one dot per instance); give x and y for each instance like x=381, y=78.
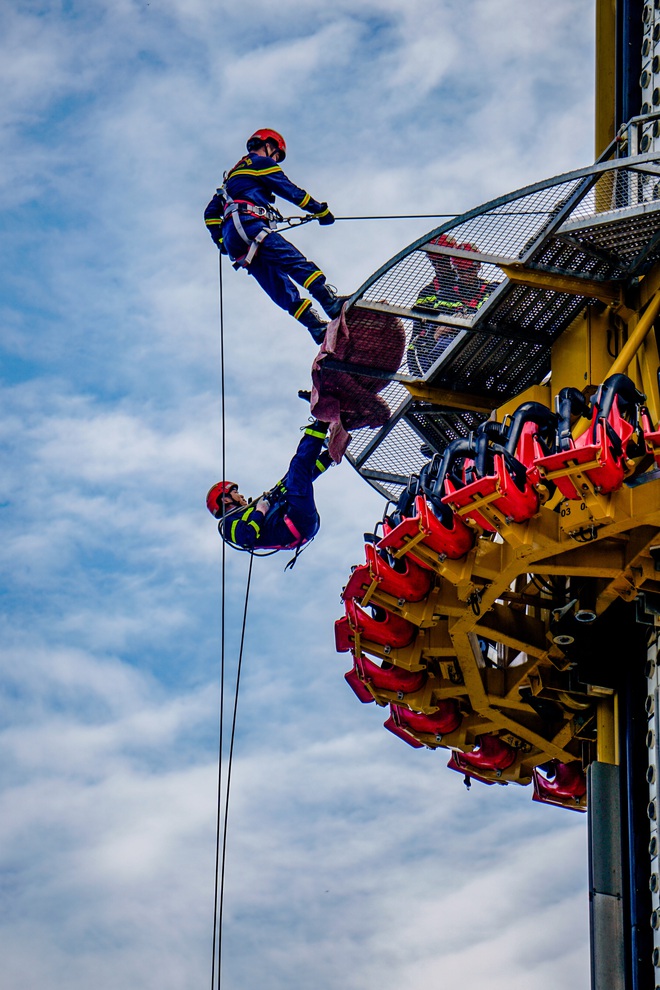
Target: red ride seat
x=566, y=789
x=425, y=528
x=651, y=436
x=389, y=630
x=411, y=584
x=492, y=754
x=591, y=455
x=391, y=679
x=500, y=491
x=403, y=722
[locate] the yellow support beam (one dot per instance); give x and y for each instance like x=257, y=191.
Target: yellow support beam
x=607, y=292
x=637, y=337
x=450, y=400
x=606, y=731
x=605, y=73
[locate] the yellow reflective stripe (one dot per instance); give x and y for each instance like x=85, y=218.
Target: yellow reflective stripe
x=312, y=278
x=323, y=213
x=212, y=223
x=254, y=171
x=305, y=304
x=256, y=526
x=304, y=201
x=435, y=303
x=244, y=518
x=321, y=466
x=315, y=433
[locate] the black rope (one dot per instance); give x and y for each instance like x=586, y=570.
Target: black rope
x=298, y=221
x=222, y=820
x=222, y=647
x=223, y=858
x=443, y=216
x=405, y=216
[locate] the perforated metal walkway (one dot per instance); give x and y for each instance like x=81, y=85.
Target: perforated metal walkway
x=479, y=316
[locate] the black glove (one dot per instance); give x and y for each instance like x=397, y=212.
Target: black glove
x=325, y=218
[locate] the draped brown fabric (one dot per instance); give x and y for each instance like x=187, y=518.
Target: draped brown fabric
x=351, y=401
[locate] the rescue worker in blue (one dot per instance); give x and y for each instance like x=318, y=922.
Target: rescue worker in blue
x=240, y=218
x=456, y=290
x=285, y=518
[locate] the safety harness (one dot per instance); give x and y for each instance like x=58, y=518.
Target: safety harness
x=223, y=206
x=276, y=498
x=234, y=208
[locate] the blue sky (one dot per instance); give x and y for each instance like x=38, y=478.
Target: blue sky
x=354, y=862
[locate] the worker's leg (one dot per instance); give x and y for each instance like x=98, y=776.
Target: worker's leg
x=308, y=462
x=280, y=254
x=267, y=268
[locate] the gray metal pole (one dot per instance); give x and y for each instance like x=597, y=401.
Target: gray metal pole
x=605, y=878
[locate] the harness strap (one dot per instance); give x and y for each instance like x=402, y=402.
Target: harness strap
x=290, y=525
x=252, y=250
x=246, y=206
x=233, y=210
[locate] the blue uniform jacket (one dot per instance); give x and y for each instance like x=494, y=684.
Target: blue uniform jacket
x=259, y=179
x=252, y=530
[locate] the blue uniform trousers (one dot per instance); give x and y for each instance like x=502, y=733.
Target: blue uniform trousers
x=308, y=462
x=276, y=263
x=252, y=531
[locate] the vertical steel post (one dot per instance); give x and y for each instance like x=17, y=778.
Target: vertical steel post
x=629, y=31
x=622, y=956
x=634, y=711
x=653, y=779
x=605, y=878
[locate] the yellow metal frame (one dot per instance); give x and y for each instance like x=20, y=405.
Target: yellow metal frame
x=491, y=593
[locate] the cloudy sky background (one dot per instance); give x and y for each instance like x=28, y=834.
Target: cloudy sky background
x=354, y=862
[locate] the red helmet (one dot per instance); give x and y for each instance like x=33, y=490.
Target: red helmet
x=465, y=263
x=262, y=136
x=442, y=240
x=214, y=499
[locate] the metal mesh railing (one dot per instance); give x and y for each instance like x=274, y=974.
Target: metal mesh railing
x=469, y=329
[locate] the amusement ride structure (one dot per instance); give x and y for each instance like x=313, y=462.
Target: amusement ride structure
x=507, y=607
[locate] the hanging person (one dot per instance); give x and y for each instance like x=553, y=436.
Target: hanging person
x=285, y=518
x=241, y=217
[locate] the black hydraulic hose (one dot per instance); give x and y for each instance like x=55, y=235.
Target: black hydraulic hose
x=459, y=448
x=621, y=387
x=570, y=402
x=531, y=412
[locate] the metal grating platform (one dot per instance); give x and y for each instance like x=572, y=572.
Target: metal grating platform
x=471, y=329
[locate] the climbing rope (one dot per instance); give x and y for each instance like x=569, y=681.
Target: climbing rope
x=222, y=813
x=222, y=643
x=298, y=221
x=220, y=901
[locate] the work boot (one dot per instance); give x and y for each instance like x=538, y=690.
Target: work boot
x=327, y=298
x=318, y=333
x=317, y=428
x=316, y=326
